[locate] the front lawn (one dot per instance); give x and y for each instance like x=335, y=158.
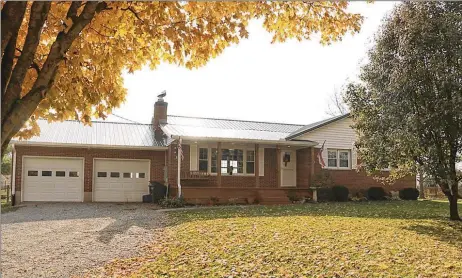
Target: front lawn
x=384, y=239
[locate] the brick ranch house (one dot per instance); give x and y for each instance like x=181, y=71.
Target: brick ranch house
x=223, y=159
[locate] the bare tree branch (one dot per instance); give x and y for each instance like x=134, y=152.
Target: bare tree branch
x=336, y=105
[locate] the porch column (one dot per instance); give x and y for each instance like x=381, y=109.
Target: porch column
x=278, y=166
x=257, y=166
x=312, y=167
x=219, y=164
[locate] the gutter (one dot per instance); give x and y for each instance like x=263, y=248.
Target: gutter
x=93, y=146
x=306, y=143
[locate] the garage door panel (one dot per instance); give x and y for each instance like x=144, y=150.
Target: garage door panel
x=53, y=188
x=124, y=186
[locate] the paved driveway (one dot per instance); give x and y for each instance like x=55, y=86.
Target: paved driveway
x=64, y=239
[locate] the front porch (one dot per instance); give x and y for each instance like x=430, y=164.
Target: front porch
x=241, y=172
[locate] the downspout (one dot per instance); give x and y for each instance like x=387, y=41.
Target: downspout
x=179, y=166
x=166, y=173
x=13, y=178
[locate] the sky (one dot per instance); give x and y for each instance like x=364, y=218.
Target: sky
x=255, y=80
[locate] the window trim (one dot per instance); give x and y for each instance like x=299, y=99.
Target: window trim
x=209, y=160
x=251, y=161
x=56, y=174
x=336, y=158
x=218, y=166
x=338, y=167
x=48, y=171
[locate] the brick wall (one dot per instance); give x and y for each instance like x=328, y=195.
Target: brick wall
x=157, y=160
x=356, y=181
x=303, y=167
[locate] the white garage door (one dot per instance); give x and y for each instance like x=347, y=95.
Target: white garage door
x=53, y=179
x=120, y=180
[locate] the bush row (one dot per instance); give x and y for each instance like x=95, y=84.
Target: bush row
x=376, y=193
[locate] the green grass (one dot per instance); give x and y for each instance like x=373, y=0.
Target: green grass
x=380, y=239
x=7, y=207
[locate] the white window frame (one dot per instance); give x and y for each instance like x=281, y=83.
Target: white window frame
x=244, y=159
x=199, y=158
x=247, y=161
x=338, y=167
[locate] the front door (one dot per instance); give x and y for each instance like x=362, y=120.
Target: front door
x=288, y=168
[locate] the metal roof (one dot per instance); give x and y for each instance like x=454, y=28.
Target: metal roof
x=98, y=134
x=222, y=128
x=131, y=134
x=315, y=125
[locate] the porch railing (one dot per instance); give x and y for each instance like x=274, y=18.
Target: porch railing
x=194, y=175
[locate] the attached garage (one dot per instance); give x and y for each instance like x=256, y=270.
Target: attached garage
x=120, y=180
x=53, y=179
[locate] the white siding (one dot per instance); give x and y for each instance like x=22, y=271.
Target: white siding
x=338, y=135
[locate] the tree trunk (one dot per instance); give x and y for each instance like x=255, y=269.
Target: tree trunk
x=12, y=16
x=421, y=186
x=17, y=111
x=453, y=208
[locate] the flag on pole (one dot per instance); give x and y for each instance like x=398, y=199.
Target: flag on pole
x=321, y=160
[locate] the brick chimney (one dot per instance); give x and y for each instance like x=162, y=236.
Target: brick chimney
x=160, y=114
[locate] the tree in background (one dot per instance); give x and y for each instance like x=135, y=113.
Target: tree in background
x=408, y=106
x=6, y=161
x=337, y=105
x=64, y=60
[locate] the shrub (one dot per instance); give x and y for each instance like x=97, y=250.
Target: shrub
x=409, y=193
x=158, y=191
x=376, y=193
x=233, y=201
x=172, y=202
x=214, y=200
x=292, y=196
x=324, y=194
x=340, y=193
